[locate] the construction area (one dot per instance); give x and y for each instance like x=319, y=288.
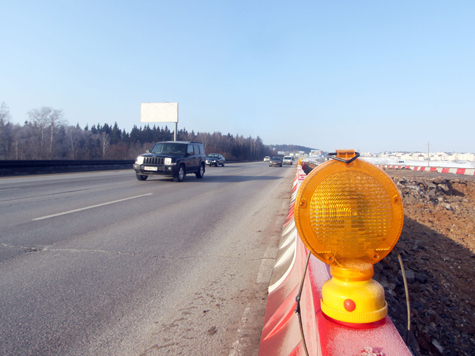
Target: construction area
x=437, y=247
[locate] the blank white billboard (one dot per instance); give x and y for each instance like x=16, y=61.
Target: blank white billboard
x=159, y=112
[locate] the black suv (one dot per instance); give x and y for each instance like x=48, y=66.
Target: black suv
x=172, y=158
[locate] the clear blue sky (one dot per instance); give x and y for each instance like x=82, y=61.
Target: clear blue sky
x=370, y=75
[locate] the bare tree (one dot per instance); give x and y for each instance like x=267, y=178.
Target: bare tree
x=47, y=121
x=25, y=145
x=4, y=115
x=105, y=142
x=5, y=131
x=73, y=137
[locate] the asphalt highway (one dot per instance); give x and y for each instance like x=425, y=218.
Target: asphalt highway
x=100, y=263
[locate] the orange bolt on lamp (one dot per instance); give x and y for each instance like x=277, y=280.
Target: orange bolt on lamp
x=349, y=214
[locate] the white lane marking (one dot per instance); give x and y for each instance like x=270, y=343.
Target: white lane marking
x=267, y=265
x=90, y=207
x=271, y=252
x=235, y=348
x=265, y=270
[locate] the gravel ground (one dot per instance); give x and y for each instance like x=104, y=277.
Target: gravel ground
x=437, y=247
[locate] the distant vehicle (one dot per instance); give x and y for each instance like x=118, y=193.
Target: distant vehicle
x=287, y=160
x=215, y=159
x=275, y=161
x=172, y=158
x=266, y=159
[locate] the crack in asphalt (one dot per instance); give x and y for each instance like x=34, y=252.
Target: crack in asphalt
x=28, y=248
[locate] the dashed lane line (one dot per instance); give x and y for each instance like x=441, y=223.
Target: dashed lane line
x=90, y=207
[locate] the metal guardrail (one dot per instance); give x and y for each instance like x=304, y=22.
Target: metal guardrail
x=21, y=167
x=60, y=163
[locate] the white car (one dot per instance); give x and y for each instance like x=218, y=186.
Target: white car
x=287, y=160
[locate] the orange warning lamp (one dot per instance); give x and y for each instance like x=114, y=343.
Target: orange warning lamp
x=349, y=214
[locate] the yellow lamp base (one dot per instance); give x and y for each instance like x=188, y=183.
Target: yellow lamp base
x=353, y=301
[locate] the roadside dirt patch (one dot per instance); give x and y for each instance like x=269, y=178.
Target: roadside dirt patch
x=437, y=247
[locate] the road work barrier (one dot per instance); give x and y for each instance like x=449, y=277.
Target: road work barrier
x=300, y=328
x=462, y=171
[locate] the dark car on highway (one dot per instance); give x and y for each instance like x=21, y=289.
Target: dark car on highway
x=172, y=158
x=275, y=161
x=215, y=159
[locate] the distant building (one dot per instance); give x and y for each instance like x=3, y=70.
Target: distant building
x=422, y=156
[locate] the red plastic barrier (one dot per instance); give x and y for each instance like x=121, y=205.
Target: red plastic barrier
x=281, y=332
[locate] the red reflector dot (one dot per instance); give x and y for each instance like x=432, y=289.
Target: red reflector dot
x=349, y=305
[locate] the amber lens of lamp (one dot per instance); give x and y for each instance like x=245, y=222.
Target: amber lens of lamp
x=350, y=211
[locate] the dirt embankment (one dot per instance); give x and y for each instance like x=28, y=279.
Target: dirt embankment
x=437, y=247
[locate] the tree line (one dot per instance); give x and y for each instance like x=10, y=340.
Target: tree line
x=47, y=135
